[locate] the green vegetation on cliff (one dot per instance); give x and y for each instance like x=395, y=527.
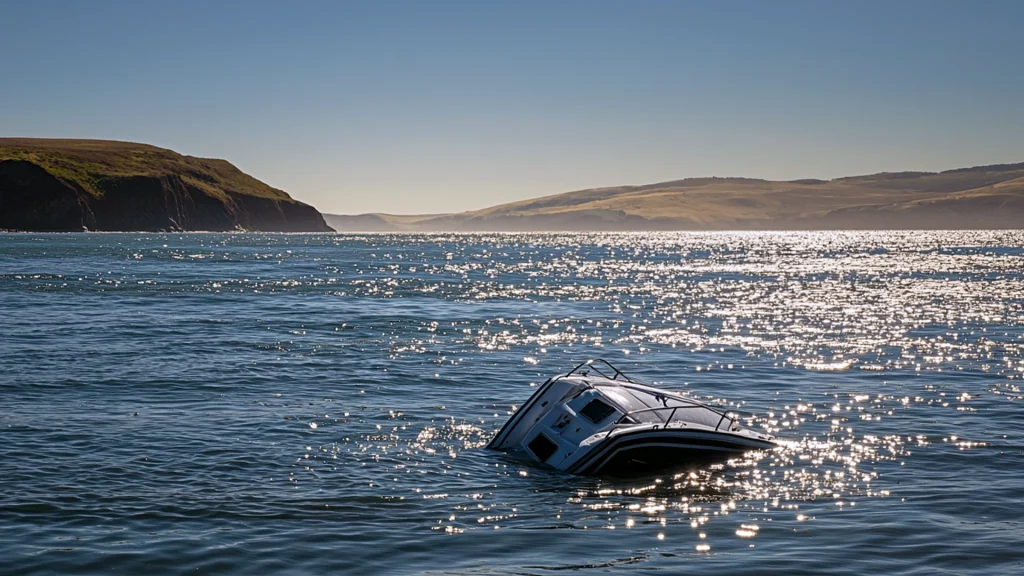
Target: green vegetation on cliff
x=87, y=162
x=55, y=184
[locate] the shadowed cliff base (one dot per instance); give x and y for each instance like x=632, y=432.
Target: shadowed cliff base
x=984, y=197
x=75, y=185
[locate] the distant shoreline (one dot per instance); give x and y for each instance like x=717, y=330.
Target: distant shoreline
x=74, y=185
x=978, y=198
x=499, y=232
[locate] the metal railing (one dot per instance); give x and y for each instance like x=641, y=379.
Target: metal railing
x=589, y=364
x=628, y=418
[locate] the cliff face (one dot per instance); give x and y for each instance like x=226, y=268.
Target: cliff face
x=61, y=185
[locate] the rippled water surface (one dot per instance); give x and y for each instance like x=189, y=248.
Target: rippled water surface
x=318, y=403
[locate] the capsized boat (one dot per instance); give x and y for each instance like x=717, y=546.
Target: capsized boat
x=597, y=421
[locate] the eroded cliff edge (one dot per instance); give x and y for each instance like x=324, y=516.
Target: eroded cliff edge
x=72, y=185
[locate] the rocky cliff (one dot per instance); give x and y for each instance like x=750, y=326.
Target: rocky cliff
x=71, y=185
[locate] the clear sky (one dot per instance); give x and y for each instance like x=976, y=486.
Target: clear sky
x=431, y=106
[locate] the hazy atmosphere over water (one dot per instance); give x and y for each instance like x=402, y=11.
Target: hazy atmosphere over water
x=422, y=107
x=317, y=403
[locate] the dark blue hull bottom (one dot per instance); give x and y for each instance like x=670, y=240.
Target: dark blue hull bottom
x=644, y=461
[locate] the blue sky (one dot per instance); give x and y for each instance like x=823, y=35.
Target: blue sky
x=412, y=107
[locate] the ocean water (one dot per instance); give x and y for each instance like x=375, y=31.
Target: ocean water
x=267, y=403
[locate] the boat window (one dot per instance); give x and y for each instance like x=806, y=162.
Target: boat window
x=596, y=411
x=542, y=448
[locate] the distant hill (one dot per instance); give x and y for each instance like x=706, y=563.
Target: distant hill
x=984, y=197
x=71, y=185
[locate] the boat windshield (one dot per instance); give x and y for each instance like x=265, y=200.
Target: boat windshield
x=643, y=406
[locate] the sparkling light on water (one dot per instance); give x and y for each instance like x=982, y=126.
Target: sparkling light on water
x=304, y=398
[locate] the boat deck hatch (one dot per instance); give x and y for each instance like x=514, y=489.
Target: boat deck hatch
x=542, y=448
x=596, y=411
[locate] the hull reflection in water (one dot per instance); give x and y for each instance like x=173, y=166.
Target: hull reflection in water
x=597, y=421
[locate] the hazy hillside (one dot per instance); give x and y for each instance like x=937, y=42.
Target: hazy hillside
x=68, y=185
x=981, y=197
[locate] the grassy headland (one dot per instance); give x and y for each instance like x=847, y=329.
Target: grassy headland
x=58, y=184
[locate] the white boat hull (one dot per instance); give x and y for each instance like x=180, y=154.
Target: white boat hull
x=589, y=423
